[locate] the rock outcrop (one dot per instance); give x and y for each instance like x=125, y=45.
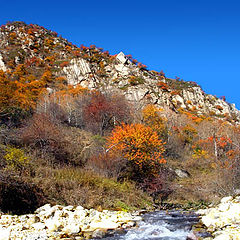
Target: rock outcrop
x=142, y=86
x=59, y=222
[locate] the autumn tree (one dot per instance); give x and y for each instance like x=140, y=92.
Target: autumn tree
x=140, y=146
x=102, y=112
x=51, y=105
x=152, y=117
x=217, y=149
x=6, y=91
x=10, y=107
x=19, y=91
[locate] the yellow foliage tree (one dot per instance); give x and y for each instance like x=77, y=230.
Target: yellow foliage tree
x=152, y=118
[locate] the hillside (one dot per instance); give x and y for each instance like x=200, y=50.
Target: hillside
x=81, y=126
x=57, y=63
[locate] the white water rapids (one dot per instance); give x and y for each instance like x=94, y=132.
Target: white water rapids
x=161, y=225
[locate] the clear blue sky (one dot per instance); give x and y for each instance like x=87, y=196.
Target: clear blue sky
x=196, y=40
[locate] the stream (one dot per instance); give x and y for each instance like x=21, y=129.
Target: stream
x=161, y=225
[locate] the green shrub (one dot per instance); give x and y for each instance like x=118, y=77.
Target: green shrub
x=134, y=81
x=178, y=84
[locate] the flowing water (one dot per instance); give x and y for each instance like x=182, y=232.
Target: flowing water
x=161, y=225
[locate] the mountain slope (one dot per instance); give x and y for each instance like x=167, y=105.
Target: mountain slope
x=57, y=64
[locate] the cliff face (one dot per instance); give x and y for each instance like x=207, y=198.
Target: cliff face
x=145, y=86
x=94, y=68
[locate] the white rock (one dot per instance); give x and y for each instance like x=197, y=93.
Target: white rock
x=57, y=207
x=182, y=173
x=71, y=228
x=208, y=221
x=223, y=207
x=223, y=236
x=45, y=207
x=79, y=208
x=234, y=212
x=122, y=58
x=79, y=214
x=4, y=233
x=103, y=225
x=203, y=211
x=68, y=208
x=131, y=224
x=77, y=69
x=179, y=100
x=38, y=226
x=123, y=69
x=52, y=224
x=2, y=65
x=59, y=213
x=224, y=219
x=226, y=199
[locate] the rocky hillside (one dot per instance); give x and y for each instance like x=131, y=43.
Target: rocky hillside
x=40, y=50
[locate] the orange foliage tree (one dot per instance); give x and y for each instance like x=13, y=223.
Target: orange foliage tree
x=140, y=146
x=18, y=90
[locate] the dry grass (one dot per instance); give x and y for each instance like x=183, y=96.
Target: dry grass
x=76, y=186
x=199, y=187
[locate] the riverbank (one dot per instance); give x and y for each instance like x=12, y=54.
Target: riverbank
x=59, y=222
x=68, y=222
x=223, y=221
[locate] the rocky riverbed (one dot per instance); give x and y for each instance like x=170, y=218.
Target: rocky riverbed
x=58, y=222
x=223, y=221
x=69, y=222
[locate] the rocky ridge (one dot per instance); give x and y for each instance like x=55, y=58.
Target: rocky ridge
x=94, y=68
x=59, y=222
x=140, y=85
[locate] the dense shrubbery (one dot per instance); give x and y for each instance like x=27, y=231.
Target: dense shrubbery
x=96, y=132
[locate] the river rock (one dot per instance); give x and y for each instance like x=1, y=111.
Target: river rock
x=226, y=199
x=223, y=220
x=4, y=233
x=58, y=222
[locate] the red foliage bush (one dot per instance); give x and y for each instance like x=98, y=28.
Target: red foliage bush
x=158, y=186
x=102, y=112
